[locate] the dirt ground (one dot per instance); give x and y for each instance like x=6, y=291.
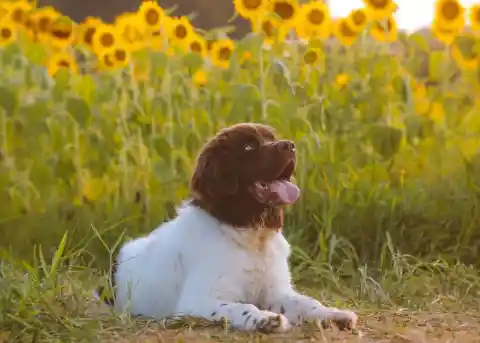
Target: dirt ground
x=398, y=327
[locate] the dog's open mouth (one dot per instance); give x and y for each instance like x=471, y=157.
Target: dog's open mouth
x=281, y=191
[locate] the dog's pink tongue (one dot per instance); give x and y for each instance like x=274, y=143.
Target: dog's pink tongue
x=287, y=191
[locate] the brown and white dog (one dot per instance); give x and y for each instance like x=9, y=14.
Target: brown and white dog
x=224, y=255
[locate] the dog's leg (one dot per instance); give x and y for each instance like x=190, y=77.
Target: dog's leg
x=241, y=316
x=298, y=308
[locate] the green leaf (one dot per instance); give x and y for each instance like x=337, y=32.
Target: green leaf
x=192, y=143
x=193, y=61
x=418, y=40
x=79, y=109
x=163, y=148
x=85, y=87
x=58, y=257
x=34, y=52
x=9, y=100
x=436, y=66
x=385, y=140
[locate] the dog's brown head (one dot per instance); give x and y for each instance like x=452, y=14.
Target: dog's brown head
x=243, y=176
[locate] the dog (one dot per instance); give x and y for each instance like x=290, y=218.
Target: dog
x=224, y=255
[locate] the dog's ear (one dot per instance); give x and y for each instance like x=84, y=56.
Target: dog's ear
x=214, y=175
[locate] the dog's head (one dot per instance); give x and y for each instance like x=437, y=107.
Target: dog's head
x=243, y=176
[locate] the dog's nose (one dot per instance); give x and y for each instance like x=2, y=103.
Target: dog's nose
x=285, y=145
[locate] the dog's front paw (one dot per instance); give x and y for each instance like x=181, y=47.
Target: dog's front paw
x=273, y=322
x=343, y=319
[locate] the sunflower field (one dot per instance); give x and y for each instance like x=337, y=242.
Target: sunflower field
x=100, y=123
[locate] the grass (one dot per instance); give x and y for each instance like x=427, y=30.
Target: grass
x=410, y=301
x=388, y=165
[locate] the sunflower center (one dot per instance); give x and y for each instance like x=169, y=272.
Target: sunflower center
x=252, y=4
x=450, y=10
x=152, y=17
x=384, y=26
x=379, y=4
x=196, y=47
x=43, y=24
x=107, y=61
x=63, y=64
x=89, y=35
x=316, y=17
x=18, y=16
x=61, y=33
x=476, y=15
x=181, y=31
x=107, y=40
x=5, y=33
x=310, y=57
x=267, y=28
x=346, y=31
x=224, y=54
x=120, y=55
x=359, y=17
x=284, y=10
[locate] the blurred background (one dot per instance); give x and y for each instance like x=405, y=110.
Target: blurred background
x=208, y=14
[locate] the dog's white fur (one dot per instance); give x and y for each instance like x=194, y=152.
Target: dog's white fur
x=194, y=265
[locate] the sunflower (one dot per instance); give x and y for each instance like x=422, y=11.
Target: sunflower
x=105, y=38
x=180, y=30
x=155, y=40
x=251, y=8
x=380, y=9
x=344, y=32
x=287, y=10
x=200, y=78
x=131, y=30
x=272, y=28
x=41, y=21
x=341, y=80
x=62, y=32
x=197, y=44
x=87, y=30
x=17, y=11
x=313, y=21
x=61, y=60
x=120, y=57
x=151, y=15
x=358, y=19
x=7, y=32
x=445, y=35
x=106, y=62
x=465, y=53
x=449, y=14
x=475, y=17
x=385, y=30
x=221, y=52
x=313, y=57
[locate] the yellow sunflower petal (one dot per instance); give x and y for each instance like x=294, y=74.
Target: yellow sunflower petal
x=251, y=8
x=380, y=9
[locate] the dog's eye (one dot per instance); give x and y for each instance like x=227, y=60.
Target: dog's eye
x=248, y=147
